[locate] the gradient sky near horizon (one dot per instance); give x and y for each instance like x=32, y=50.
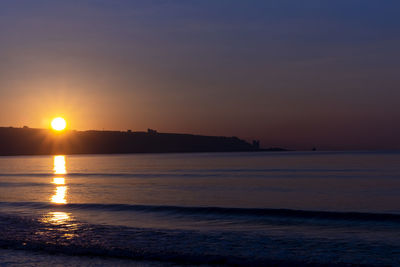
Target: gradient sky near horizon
x=294, y=74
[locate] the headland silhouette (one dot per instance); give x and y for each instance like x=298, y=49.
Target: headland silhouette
x=31, y=141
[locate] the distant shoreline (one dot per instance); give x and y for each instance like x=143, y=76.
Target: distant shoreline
x=29, y=141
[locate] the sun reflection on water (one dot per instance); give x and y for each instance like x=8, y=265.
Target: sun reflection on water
x=60, y=224
x=60, y=194
x=59, y=165
x=60, y=221
x=58, y=180
x=56, y=218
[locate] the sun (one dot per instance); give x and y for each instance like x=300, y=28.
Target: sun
x=58, y=124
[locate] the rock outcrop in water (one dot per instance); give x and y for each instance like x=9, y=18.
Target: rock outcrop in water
x=29, y=141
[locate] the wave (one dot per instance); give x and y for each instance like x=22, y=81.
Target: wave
x=218, y=211
x=278, y=170
x=176, y=247
x=180, y=246
x=162, y=246
x=371, y=244
x=291, y=173
x=14, y=184
x=91, y=174
x=200, y=171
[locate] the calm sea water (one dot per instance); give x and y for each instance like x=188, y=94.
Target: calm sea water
x=333, y=208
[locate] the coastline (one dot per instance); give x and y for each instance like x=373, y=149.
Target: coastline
x=28, y=141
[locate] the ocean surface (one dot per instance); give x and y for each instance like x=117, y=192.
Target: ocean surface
x=269, y=208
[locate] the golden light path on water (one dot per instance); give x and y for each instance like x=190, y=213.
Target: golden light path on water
x=57, y=217
x=59, y=165
x=59, y=196
x=62, y=220
x=58, y=180
x=61, y=190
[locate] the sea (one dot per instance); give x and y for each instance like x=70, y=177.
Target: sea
x=201, y=209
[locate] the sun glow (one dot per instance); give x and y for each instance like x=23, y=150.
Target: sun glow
x=58, y=124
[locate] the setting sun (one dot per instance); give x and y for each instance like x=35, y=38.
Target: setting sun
x=58, y=124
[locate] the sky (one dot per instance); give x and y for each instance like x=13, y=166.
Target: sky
x=293, y=74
